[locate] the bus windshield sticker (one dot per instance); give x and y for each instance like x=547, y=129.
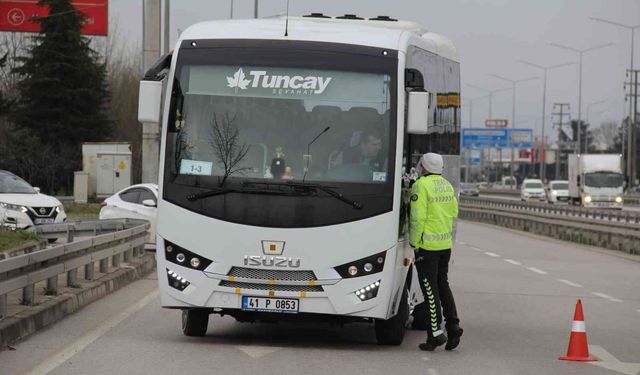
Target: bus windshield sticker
x=196, y=167
x=380, y=176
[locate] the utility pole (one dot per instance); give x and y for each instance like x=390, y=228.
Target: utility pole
x=151, y=29
x=632, y=131
x=255, y=9
x=560, y=110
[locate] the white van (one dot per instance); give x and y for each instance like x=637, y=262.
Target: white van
x=532, y=189
x=558, y=191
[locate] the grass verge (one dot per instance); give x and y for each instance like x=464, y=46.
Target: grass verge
x=87, y=211
x=10, y=239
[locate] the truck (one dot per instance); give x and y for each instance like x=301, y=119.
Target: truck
x=284, y=144
x=596, y=180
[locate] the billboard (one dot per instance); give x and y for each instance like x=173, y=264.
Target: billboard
x=18, y=15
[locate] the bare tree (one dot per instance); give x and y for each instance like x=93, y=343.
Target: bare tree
x=225, y=142
x=607, y=136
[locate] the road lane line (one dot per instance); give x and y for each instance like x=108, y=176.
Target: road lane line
x=492, y=254
x=570, y=283
x=513, y=262
x=606, y=296
x=475, y=248
x=537, y=270
x=462, y=243
x=55, y=360
x=432, y=371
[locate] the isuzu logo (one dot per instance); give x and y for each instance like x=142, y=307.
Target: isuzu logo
x=269, y=261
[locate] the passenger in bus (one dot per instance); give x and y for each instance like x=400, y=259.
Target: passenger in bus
x=433, y=208
x=288, y=173
x=277, y=164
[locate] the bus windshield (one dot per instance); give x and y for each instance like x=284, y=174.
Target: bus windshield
x=233, y=124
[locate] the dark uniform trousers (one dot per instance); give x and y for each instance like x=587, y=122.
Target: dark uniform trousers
x=433, y=269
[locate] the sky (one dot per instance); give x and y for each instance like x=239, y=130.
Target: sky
x=490, y=36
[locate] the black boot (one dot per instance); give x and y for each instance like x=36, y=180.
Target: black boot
x=433, y=342
x=454, y=338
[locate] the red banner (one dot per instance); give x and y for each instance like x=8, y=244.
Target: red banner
x=17, y=15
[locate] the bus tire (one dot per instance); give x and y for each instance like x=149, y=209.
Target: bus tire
x=420, y=317
x=391, y=331
x=195, y=322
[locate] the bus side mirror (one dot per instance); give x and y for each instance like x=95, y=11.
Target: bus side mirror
x=578, y=180
x=149, y=101
x=418, y=112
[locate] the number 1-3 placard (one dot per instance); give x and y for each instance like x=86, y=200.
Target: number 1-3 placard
x=201, y=168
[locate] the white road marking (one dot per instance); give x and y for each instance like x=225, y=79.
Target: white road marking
x=432, y=371
x=52, y=362
x=475, y=248
x=570, y=283
x=462, y=243
x=606, y=296
x=492, y=254
x=257, y=351
x=513, y=262
x=608, y=361
x=537, y=270
x=425, y=358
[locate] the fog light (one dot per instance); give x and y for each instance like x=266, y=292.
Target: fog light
x=587, y=199
x=353, y=270
x=195, y=262
x=368, y=292
x=176, y=281
x=368, y=267
x=380, y=260
x=180, y=257
x=618, y=199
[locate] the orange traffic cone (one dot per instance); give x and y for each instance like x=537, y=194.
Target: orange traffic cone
x=578, y=347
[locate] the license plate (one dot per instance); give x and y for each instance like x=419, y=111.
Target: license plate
x=43, y=221
x=263, y=304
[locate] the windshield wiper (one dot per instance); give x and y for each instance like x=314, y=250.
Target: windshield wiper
x=209, y=193
x=305, y=188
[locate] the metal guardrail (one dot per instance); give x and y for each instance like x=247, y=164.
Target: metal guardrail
x=604, y=228
x=109, y=239
x=631, y=199
x=609, y=215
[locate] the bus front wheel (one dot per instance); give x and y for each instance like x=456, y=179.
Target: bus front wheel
x=391, y=331
x=195, y=322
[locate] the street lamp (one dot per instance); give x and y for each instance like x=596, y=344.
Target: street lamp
x=470, y=101
x=592, y=104
x=544, y=68
x=490, y=92
x=630, y=148
x=514, y=82
x=580, y=52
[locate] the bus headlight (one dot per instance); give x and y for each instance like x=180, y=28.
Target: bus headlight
x=362, y=267
x=618, y=199
x=587, y=199
x=554, y=192
x=179, y=255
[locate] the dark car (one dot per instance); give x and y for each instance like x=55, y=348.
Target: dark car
x=469, y=190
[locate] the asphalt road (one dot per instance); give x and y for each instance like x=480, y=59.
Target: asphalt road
x=629, y=208
x=516, y=295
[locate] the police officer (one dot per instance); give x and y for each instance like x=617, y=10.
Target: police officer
x=433, y=209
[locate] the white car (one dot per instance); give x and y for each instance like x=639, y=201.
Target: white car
x=135, y=202
x=558, y=191
x=532, y=189
x=23, y=206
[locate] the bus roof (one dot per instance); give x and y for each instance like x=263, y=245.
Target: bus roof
x=397, y=35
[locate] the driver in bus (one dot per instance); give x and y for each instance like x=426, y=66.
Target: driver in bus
x=367, y=152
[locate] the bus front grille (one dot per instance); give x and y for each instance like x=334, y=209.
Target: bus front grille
x=281, y=288
x=263, y=274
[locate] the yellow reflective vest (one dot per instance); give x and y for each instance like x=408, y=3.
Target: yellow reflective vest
x=433, y=209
